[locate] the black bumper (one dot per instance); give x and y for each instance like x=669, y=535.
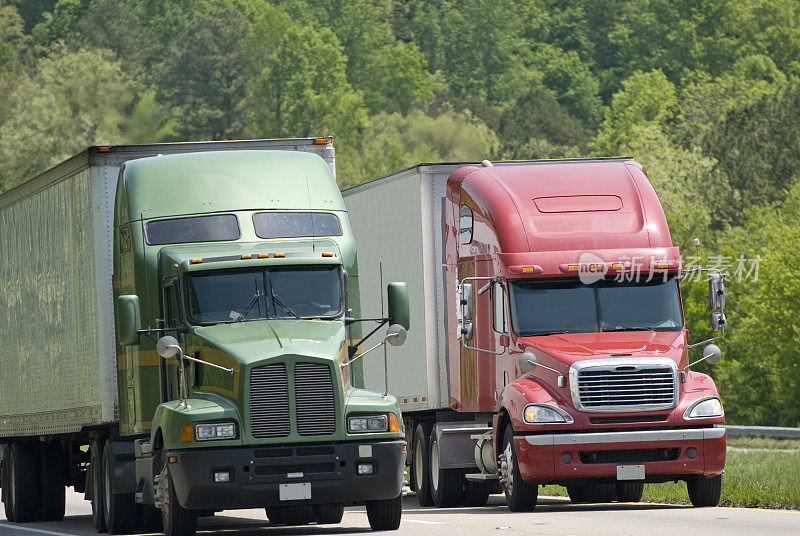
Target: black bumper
x=258, y=472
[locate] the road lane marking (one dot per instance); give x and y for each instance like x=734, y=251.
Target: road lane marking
x=37, y=531
x=421, y=521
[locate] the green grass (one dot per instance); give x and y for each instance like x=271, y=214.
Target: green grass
x=763, y=443
x=755, y=479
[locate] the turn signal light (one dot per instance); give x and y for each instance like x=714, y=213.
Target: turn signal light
x=394, y=426
x=197, y=261
x=187, y=433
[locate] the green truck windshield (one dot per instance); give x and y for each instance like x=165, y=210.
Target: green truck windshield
x=546, y=307
x=240, y=295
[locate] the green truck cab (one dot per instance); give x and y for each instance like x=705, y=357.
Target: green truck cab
x=235, y=299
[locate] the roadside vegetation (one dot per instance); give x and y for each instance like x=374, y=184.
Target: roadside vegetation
x=704, y=93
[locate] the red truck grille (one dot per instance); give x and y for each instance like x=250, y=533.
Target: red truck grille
x=612, y=385
x=313, y=398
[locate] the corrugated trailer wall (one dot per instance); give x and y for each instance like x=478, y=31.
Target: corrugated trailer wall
x=407, y=246
x=56, y=331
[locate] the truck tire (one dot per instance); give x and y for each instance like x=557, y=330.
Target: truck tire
x=53, y=478
x=151, y=519
x=577, y=494
x=629, y=491
x=599, y=493
x=475, y=493
x=520, y=495
x=328, y=514
x=385, y=514
x=22, y=496
x=290, y=515
x=704, y=491
x=445, y=484
x=96, y=468
x=421, y=464
x=119, y=509
x=177, y=520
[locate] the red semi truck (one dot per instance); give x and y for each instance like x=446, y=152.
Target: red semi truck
x=549, y=345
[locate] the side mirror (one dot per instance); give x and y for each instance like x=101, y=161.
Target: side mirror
x=465, y=300
x=399, y=310
x=712, y=354
x=128, y=319
x=396, y=335
x=168, y=347
x=528, y=361
x=716, y=291
x=718, y=321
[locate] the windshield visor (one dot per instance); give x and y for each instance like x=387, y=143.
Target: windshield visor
x=235, y=296
x=546, y=307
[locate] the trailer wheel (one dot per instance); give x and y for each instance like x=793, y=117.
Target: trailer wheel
x=475, y=493
x=445, y=484
x=119, y=509
x=704, y=491
x=629, y=491
x=54, y=489
x=96, y=469
x=421, y=464
x=22, y=495
x=177, y=520
x=520, y=496
x=328, y=514
x=385, y=514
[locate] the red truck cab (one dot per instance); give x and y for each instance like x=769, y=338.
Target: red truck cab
x=571, y=332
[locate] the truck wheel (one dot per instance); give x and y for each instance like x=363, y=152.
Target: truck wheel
x=704, y=491
x=475, y=493
x=629, y=491
x=599, y=493
x=577, y=494
x=520, y=496
x=96, y=468
x=177, y=520
x=54, y=489
x=151, y=519
x=328, y=514
x=290, y=515
x=385, y=514
x=119, y=509
x=445, y=484
x=22, y=495
x=421, y=464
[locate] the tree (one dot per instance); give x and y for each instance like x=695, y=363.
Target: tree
x=398, y=79
x=12, y=40
x=74, y=99
x=303, y=90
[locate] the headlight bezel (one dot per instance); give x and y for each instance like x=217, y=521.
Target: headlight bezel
x=366, y=418
x=688, y=414
x=214, y=427
x=547, y=410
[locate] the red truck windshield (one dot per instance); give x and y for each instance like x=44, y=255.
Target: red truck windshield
x=545, y=307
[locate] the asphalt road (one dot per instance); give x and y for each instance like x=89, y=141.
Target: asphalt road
x=553, y=516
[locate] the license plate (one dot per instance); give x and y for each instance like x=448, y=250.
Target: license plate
x=294, y=492
x=630, y=472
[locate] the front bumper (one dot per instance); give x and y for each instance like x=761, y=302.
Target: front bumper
x=258, y=472
x=665, y=454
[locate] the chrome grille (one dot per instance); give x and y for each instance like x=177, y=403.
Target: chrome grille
x=642, y=384
x=269, y=401
x=316, y=411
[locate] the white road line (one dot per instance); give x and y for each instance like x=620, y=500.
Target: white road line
x=421, y=521
x=37, y=531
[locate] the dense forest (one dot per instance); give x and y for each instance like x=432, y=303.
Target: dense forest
x=704, y=93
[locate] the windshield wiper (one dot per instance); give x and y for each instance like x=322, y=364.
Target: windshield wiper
x=284, y=305
x=250, y=305
x=632, y=328
x=554, y=332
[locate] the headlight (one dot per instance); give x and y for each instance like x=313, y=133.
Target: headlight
x=367, y=423
x=710, y=407
x=545, y=414
x=208, y=432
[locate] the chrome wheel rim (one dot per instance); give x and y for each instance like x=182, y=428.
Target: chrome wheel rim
x=434, y=465
x=418, y=465
x=509, y=459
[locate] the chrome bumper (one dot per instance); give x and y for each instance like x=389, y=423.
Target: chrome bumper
x=691, y=434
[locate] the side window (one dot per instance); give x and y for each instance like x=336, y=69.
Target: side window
x=499, y=304
x=465, y=225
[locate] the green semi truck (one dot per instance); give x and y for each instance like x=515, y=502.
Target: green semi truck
x=180, y=335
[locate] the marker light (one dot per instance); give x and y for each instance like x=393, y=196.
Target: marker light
x=327, y=254
x=574, y=267
x=247, y=256
x=197, y=261
x=280, y=255
x=527, y=270
x=263, y=255
x=617, y=266
x=322, y=141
